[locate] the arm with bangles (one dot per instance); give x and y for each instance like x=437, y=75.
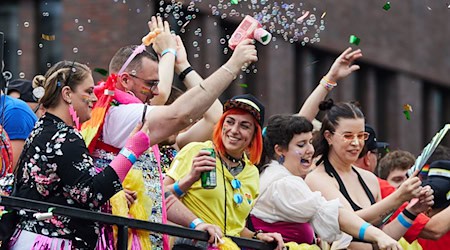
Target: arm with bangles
x=165, y=46
x=341, y=68
x=202, y=130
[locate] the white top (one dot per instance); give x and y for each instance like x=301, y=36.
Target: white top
x=120, y=121
x=285, y=197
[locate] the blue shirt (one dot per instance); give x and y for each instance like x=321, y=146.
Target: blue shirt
x=16, y=117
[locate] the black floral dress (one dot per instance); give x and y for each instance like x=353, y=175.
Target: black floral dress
x=55, y=166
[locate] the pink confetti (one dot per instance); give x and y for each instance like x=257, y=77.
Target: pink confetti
x=300, y=19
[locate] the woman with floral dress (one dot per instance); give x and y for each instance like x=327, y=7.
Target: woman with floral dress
x=55, y=165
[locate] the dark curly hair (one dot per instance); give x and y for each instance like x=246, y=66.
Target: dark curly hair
x=279, y=131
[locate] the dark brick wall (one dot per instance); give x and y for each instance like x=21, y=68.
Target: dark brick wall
x=406, y=57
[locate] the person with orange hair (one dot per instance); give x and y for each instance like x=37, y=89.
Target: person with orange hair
x=237, y=144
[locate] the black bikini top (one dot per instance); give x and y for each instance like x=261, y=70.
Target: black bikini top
x=333, y=173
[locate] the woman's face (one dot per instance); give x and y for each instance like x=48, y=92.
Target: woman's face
x=83, y=98
x=298, y=155
x=348, y=139
x=237, y=133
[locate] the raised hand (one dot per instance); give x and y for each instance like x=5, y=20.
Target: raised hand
x=181, y=62
x=165, y=40
x=343, y=65
x=244, y=54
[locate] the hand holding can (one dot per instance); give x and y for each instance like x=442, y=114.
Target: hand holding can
x=209, y=178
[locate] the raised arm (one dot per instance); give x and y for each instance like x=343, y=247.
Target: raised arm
x=163, y=43
x=167, y=120
x=341, y=68
x=203, y=129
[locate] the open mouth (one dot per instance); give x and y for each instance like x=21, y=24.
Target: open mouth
x=306, y=162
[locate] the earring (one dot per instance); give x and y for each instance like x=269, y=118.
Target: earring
x=281, y=159
x=75, y=118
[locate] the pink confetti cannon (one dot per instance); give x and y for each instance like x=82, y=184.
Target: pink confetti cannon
x=249, y=28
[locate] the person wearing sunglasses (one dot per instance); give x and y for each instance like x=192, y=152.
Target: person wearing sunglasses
x=237, y=143
x=339, y=143
x=287, y=205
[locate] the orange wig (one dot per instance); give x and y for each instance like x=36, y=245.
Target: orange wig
x=255, y=148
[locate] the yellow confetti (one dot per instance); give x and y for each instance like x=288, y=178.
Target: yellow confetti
x=407, y=107
x=323, y=15
x=48, y=37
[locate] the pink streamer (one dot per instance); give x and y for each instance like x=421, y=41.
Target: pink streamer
x=157, y=155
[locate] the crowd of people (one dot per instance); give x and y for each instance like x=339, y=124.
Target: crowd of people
x=135, y=141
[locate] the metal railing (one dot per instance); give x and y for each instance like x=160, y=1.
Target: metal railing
x=123, y=223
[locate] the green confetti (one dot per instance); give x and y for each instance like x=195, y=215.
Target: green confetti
x=387, y=6
x=50, y=209
x=234, y=1
x=243, y=85
x=101, y=71
x=354, y=40
x=407, y=114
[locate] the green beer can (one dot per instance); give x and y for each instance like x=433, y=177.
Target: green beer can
x=209, y=180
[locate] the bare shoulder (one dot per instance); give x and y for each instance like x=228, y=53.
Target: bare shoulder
x=317, y=177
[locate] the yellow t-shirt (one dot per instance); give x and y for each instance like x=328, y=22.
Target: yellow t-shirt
x=208, y=204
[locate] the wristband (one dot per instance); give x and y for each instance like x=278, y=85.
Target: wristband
x=403, y=221
x=195, y=223
x=362, y=230
x=255, y=235
x=185, y=72
x=327, y=84
x=128, y=154
x=174, y=52
x=176, y=188
x=409, y=215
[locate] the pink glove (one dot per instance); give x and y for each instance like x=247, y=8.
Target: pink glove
x=134, y=147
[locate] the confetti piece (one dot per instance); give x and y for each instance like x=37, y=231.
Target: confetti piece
x=354, y=40
x=407, y=114
x=428, y=7
x=323, y=15
x=407, y=107
x=101, y=71
x=387, y=6
x=300, y=19
x=51, y=209
x=234, y=1
x=48, y=37
x=243, y=85
x=185, y=24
